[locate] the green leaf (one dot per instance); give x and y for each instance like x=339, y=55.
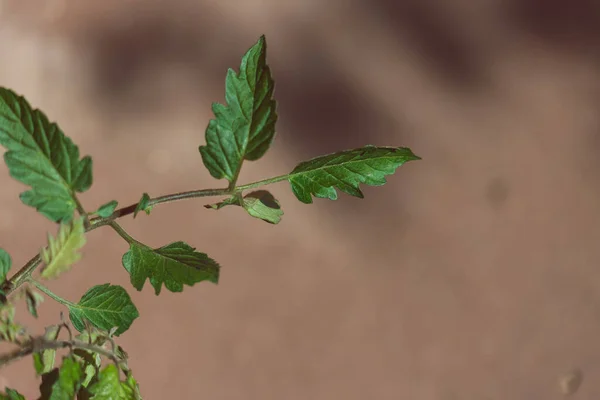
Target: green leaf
x=107, y=209
x=109, y=386
x=44, y=361
x=33, y=300
x=263, y=205
x=41, y=156
x=259, y=204
x=174, y=265
x=346, y=170
x=5, y=264
x=69, y=380
x=105, y=306
x=143, y=205
x=245, y=127
x=11, y=394
x=63, y=251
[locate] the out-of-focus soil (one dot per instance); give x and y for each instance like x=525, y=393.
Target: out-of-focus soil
x=474, y=274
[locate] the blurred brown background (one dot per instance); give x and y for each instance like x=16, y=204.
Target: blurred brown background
x=474, y=274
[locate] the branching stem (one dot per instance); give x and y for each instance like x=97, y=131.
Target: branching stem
x=24, y=274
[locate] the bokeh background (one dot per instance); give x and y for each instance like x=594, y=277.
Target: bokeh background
x=474, y=274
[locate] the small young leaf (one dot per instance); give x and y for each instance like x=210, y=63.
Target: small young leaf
x=41, y=156
x=105, y=306
x=263, y=205
x=174, y=265
x=69, y=380
x=44, y=361
x=259, y=204
x=11, y=394
x=5, y=264
x=107, y=209
x=346, y=170
x=63, y=251
x=142, y=205
x=245, y=127
x=33, y=299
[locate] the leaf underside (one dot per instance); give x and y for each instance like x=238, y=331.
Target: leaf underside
x=105, y=306
x=41, y=156
x=64, y=250
x=245, y=127
x=174, y=265
x=346, y=170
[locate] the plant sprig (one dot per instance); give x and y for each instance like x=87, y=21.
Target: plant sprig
x=41, y=156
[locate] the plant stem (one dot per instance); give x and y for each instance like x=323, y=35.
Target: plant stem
x=40, y=343
x=49, y=293
x=263, y=182
x=24, y=274
x=82, y=212
x=119, y=229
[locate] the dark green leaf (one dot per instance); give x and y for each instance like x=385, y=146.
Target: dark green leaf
x=346, y=170
x=44, y=361
x=142, y=205
x=64, y=251
x=41, y=156
x=245, y=127
x=69, y=380
x=5, y=264
x=174, y=265
x=107, y=209
x=105, y=306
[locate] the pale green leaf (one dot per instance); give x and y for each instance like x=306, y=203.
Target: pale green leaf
x=263, y=205
x=69, y=380
x=244, y=128
x=345, y=170
x=5, y=264
x=174, y=265
x=142, y=205
x=64, y=250
x=105, y=306
x=44, y=361
x=110, y=387
x=107, y=209
x=259, y=204
x=41, y=156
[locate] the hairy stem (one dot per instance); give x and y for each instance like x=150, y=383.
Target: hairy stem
x=263, y=182
x=82, y=212
x=23, y=274
x=126, y=236
x=40, y=343
x=49, y=293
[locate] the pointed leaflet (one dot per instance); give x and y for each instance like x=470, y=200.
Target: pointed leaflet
x=41, y=156
x=143, y=205
x=5, y=264
x=63, y=251
x=245, y=127
x=33, y=300
x=346, y=170
x=174, y=265
x=105, y=306
x=106, y=210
